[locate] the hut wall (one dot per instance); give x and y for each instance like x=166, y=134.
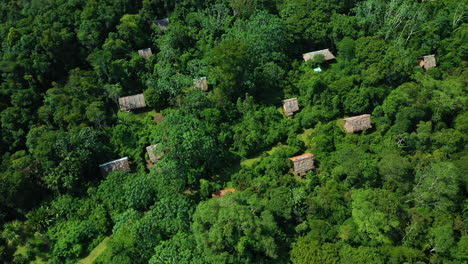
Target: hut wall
x=116, y=165
x=151, y=153
x=145, y=53
x=290, y=106
x=301, y=167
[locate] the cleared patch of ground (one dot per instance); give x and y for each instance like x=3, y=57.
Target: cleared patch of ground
x=95, y=253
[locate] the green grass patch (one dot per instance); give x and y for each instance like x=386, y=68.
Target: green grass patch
x=22, y=250
x=248, y=163
x=304, y=136
x=96, y=252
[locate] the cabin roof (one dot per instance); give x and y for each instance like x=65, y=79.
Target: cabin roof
x=132, y=102
x=221, y=193
x=162, y=23
x=302, y=157
x=114, y=162
x=354, y=118
x=429, y=61
x=325, y=52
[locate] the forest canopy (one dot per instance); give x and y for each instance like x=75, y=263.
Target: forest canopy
x=233, y=131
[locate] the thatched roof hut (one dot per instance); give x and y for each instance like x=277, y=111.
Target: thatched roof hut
x=290, y=106
x=201, y=83
x=153, y=153
x=325, y=52
x=131, y=102
x=116, y=165
x=162, y=23
x=222, y=193
x=303, y=163
x=427, y=62
x=357, y=123
x=145, y=53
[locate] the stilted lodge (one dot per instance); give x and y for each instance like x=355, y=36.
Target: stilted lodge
x=428, y=62
x=201, y=83
x=162, y=23
x=303, y=163
x=153, y=153
x=145, y=53
x=290, y=106
x=132, y=102
x=357, y=123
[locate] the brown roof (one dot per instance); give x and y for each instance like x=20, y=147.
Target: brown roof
x=302, y=157
x=201, y=83
x=132, y=102
x=222, y=192
x=428, y=62
x=152, y=153
x=116, y=165
x=145, y=53
x=290, y=106
x=357, y=123
x=325, y=52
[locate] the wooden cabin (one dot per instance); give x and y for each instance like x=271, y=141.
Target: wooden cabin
x=201, y=83
x=290, y=106
x=116, y=165
x=162, y=23
x=132, y=102
x=325, y=52
x=153, y=154
x=357, y=123
x=303, y=163
x=145, y=53
x=428, y=62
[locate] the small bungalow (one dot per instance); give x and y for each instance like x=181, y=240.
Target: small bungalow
x=427, y=62
x=153, y=155
x=132, y=102
x=201, y=83
x=162, y=23
x=222, y=193
x=290, y=106
x=303, y=163
x=145, y=53
x=325, y=52
x=116, y=165
x=357, y=123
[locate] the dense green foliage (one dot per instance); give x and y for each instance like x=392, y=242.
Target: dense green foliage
x=395, y=193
